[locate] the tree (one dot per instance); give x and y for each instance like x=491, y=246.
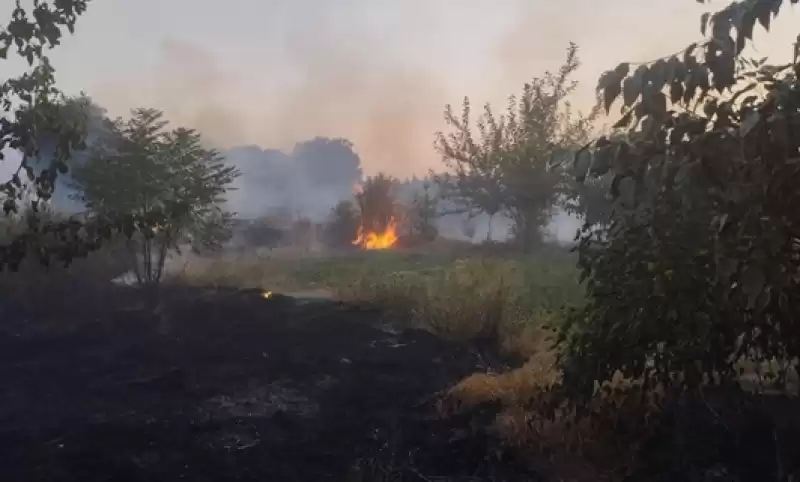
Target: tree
x=35, y=115
x=376, y=203
x=164, y=177
x=697, y=269
x=423, y=213
x=512, y=167
x=342, y=227
x=474, y=183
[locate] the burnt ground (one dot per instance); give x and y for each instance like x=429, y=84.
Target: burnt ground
x=228, y=386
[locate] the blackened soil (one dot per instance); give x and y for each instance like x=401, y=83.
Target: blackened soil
x=228, y=386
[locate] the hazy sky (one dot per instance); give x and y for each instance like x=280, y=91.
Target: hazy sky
x=379, y=72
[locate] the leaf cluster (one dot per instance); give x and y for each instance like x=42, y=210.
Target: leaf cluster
x=164, y=178
x=37, y=118
x=697, y=267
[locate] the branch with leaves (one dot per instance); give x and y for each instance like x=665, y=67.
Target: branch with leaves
x=36, y=118
x=697, y=267
x=163, y=178
x=509, y=167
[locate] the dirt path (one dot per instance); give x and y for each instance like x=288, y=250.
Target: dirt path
x=239, y=388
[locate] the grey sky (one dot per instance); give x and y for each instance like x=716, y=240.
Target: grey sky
x=379, y=72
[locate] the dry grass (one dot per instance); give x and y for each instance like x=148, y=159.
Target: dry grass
x=514, y=388
x=468, y=299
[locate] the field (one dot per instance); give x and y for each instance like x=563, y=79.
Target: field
x=354, y=377
x=463, y=296
x=365, y=366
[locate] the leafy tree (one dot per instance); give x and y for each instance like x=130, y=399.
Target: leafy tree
x=342, y=226
x=144, y=170
x=540, y=126
x=376, y=202
x=697, y=269
x=35, y=116
x=511, y=167
x=423, y=213
x=474, y=181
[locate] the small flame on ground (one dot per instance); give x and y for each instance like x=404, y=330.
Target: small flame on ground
x=266, y=295
x=385, y=239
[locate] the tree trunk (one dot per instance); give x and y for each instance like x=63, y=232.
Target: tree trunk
x=131, y=248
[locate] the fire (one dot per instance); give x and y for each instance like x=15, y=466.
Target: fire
x=385, y=239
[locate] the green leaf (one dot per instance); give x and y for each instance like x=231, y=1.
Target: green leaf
x=601, y=162
x=622, y=70
x=688, y=54
x=704, y=23
x=658, y=75
x=611, y=92
x=676, y=91
x=703, y=80
x=625, y=120
x=747, y=25
x=583, y=161
x=764, y=14
x=632, y=87
x=657, y=104
x=615, y=186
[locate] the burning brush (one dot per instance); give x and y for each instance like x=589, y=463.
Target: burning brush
x=385, y=239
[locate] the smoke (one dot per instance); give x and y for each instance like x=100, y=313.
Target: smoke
x=306, y=182
x=274, y=74
x=385, y=108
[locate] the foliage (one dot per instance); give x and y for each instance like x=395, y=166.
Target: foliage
x=510, y=167
x=475, y=180
x=423, y=213
x=590, y=200
x=376, y=202
x=35, y=117
x=697, y=269
x=342, y=226
x=144, y=170
x=261, y=232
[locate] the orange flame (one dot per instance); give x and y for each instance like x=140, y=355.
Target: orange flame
x=385, y=239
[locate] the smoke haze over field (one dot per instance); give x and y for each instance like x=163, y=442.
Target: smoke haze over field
x=276, y=73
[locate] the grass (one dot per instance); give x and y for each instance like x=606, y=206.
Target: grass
x=453, y=295
x=507, y=302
